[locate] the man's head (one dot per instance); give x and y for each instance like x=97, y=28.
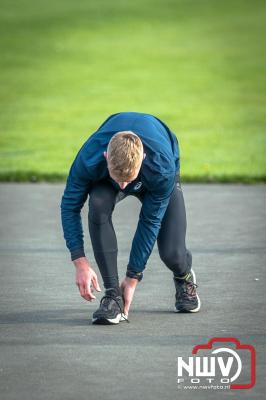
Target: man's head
x=124, y=157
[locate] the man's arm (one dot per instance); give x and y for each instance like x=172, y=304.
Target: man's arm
x=153, y=209
x=74, y=197
x=75, y=194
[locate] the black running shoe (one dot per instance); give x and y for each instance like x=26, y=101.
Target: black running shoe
x=187, y=299
x=111, y=310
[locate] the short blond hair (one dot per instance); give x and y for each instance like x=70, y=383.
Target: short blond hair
x=125, y=152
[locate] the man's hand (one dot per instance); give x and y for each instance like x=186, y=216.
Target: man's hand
x=128, y=287
x=86, y=279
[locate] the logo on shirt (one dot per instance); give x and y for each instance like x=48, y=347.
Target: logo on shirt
x=137, y=186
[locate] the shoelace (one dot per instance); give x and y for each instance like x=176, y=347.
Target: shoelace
x=107, y=296
x=189, y=289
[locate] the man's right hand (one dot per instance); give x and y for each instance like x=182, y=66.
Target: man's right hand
x=86, y=279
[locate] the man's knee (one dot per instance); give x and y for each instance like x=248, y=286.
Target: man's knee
x=100, y=208
x=176, y=257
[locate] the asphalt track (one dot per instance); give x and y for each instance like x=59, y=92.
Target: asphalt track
x=50, y=350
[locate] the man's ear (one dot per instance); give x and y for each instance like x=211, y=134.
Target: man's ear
x=105, y=154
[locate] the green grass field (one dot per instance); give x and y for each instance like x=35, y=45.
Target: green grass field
x=199, y=65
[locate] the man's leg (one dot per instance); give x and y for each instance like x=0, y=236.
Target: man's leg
x=102, y=200
x=172, y=236
x=173, y=252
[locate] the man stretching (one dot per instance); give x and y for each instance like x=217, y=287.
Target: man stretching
x=130, y=154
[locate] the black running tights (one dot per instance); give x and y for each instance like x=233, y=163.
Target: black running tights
x=171, y=238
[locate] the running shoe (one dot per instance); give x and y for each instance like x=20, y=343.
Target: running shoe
x=187, y=299
x=111, y=310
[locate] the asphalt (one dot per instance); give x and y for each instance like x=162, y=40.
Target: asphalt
x=49, y=348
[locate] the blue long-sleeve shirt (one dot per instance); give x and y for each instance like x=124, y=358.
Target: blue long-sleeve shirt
x=157, y=177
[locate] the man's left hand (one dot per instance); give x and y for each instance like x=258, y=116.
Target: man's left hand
x=128, y=287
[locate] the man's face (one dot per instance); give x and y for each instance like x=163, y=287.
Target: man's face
x=123, y=185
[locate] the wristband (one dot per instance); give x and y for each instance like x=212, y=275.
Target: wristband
x=134, y=275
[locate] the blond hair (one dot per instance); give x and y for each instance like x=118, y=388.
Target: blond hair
x=125, y=152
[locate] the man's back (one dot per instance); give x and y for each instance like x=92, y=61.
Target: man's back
x=160, y=146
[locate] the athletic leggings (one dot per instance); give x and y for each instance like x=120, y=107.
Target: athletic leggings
x=171, y=238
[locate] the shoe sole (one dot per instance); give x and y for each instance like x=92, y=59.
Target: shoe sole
x=109, y=321
x=199, y=302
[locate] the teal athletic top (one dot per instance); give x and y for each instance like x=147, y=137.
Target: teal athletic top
x=157, y=177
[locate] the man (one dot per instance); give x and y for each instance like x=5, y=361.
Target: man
x=130, y=154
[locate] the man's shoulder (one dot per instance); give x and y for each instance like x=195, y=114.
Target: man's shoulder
x=158, y=181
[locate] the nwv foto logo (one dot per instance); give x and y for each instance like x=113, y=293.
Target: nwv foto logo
x=222, y=365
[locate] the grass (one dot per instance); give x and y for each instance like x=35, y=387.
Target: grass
x=197, y=64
